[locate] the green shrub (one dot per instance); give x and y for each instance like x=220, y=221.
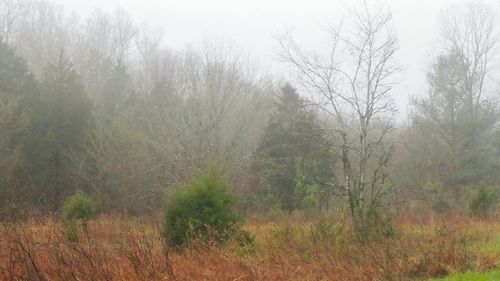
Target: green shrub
x=79, y=207
x=203, y=208
x=483, y=201
x=440, y=198
x=375, y=225
x=326, y=230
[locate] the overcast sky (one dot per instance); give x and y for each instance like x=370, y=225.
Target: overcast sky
x=250, y=25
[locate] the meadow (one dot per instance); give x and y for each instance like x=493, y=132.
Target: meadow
x=291, y=247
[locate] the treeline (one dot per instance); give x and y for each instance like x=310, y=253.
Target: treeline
x=101, y=106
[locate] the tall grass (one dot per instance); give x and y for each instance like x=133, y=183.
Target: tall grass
x=289, y=249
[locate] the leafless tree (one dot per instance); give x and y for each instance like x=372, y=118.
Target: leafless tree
x=154, y=62
x=206, y=113
x=472, y=31
x=11, y=12
x=352, y=81
x=452, y=126
x=43, y=32
x=206, y=110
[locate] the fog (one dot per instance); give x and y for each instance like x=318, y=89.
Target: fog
x=249, y=140
x=251, y=26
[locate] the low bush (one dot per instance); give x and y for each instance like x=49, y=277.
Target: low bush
x=325, y=230
x=204, y=208
x=78, y=207
x=483, y=201
x=376, y=224
x=440, y=198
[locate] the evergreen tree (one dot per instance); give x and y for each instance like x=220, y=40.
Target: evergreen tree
x=56, y=129
x=117, y=89
x=17, y=88
x=296, y=154
x=452, y=130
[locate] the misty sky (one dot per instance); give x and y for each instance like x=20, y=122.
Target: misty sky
x=250, y=26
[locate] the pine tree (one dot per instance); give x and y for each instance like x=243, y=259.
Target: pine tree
x=17, y=89
x=56, y=129
x=116, y=90
x=452, y=129
x=296, y=154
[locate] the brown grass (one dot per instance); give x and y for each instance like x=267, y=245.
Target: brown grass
x=118, y=249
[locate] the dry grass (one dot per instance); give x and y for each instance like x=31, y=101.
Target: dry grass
x=118, y=249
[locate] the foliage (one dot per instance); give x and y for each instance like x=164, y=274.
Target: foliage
x=137, y=250
x=376, y=225
x=483, y=200
x=440, y=198
x=55, y=129
x=201, y=208
x=15, y=76
x=307, y=193
x=116, y=90
x=451, y=138
x=325, y=230
x=18, y=92
x=351, y=78
x=296, y=154
x=79, y=207
x=123, y=118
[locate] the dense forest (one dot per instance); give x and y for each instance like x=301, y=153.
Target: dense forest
x=101, y=107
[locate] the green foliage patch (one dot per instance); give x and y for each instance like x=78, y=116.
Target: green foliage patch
x=79, y=207
x=483, y=201
x=203, y=208
x=472, y=276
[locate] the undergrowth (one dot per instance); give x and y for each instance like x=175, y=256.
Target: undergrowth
x=288, y=249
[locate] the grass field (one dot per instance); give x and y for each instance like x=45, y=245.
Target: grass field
x=473, y=276
x=290, y=248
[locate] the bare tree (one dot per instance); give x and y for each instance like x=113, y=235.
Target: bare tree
x=105, y=40
x=352, y=81
x=11, y=12
x=205, y=112
x=471, y=30
x=454, y=123
x=154, y=63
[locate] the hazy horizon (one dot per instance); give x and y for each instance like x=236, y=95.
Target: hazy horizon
x=250, y=27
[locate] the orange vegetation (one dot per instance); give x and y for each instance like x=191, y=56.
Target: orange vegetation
x=120, y=249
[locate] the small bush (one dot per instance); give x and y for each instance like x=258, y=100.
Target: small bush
x=202, y=208
x=79, y=207
x=376, y=224
x=325, y=230
x=440, y=198
x=483, y=201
